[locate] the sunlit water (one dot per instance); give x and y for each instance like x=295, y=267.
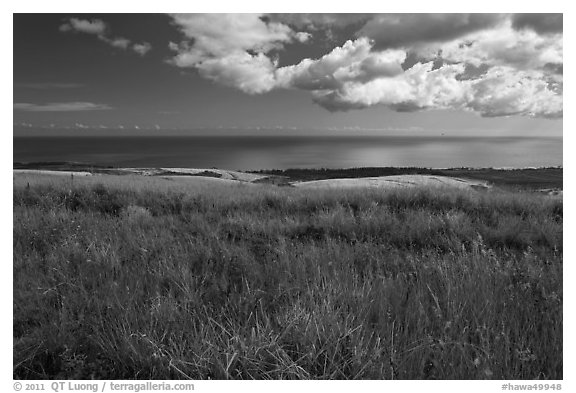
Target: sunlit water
x=281, y=152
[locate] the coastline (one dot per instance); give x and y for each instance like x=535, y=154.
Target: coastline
x=543, y=179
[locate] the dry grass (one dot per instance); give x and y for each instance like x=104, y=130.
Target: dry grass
x=150, y=278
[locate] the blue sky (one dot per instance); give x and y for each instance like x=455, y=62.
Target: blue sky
x=459, y=74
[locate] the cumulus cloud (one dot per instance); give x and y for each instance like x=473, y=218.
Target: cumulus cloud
x=355, y=77
x=217, y=35
x=378, y=78
x=492, y=64
x=327, y=71
x=231, y=48
x=60, y=107
x=504, y=91
x=98, y=28
x=499, y=93
x=251, y=74
x=524, y=49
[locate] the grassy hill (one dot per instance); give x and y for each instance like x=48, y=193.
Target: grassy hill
x=517, y=179
x=139, y=278
x=523, y=178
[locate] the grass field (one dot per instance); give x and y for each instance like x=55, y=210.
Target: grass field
x=140, y=277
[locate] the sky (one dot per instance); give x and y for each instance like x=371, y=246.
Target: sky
x=455, y=74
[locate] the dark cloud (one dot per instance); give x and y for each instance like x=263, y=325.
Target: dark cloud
x=554, y=68
x=397, y=30
x=473, y=72
x=319, y=21
x=333, y=102
x=540, y=23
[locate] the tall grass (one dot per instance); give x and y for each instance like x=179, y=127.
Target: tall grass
x=269, y=283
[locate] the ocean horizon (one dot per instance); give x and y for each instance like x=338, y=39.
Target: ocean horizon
x=260, y=151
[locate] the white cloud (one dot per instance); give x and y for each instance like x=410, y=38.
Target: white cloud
x=302, y=36
x=98, y=28
x=187, y=56
x=487, y=63
x=142, y=48
x=217, y=35
x=353, y=77
x=420, y=87
x=120, y=42
x=505, y=46
x=251, y=74
x=504, y=91
x=320, y=74
x=231, y=48
x=60, y=107
x=94, y=26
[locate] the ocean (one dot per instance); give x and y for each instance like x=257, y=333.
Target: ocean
x=254, y=152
